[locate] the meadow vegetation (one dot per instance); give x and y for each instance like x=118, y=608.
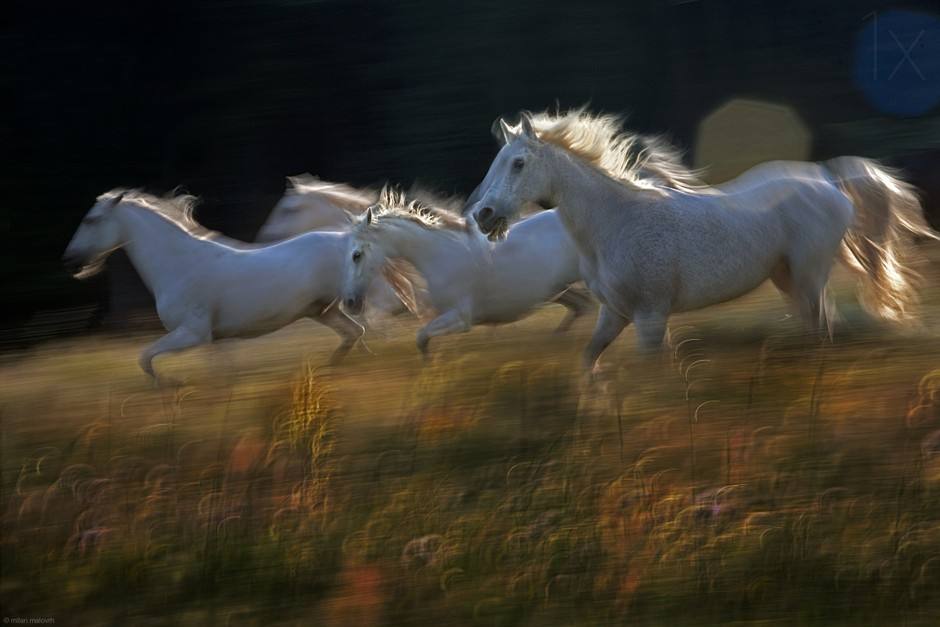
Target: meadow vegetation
x=752, y=476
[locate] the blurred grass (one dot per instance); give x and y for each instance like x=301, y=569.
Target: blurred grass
x=754, y=477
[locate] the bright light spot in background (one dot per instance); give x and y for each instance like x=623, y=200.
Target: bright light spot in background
x=742, y=133
x=897, y=62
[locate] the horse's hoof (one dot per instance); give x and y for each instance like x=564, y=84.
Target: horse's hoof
x=427, y=358
x=423, y=349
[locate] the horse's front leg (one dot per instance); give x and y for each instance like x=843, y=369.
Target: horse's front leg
x=184, y=336
x=609, y=325
x=347, y=328
x=578, y=302
x=453, y=321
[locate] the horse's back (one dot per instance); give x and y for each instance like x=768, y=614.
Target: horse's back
x=316, y=254
x=798, y=192
x=772, y=171
x=262, y=289
x=708, y=247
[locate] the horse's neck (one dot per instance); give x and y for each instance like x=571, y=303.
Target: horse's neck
x=585, y=197
x=160, y=250
x=323, y=214
x=430, y=251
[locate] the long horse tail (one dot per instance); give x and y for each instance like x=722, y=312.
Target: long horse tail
x=880, y=243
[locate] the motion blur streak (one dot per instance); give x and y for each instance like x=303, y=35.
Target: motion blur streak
x=755, y=474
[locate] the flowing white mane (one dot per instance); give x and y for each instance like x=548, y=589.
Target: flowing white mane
x=451, y=205
x=393, y=205
x=340, y=194
x=176, y=208
x=357, y=200
x=637, y=160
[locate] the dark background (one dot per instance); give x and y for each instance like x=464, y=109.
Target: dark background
x=226, y=98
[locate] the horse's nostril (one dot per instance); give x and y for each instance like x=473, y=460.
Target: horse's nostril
x=485, y=213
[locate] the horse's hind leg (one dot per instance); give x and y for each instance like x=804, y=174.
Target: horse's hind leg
x=808, y=294
x=577, y=301
x=348, y=329
x=816, y=308
x=781, y=278
x=812, y=297
x=650, y=330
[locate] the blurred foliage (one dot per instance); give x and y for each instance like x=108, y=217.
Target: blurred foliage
x=752, y=475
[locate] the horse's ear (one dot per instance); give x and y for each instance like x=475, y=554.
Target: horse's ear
x=369, y=217
x=525, y=123
x=502, y=131
x=117, y=199
x=299, y=180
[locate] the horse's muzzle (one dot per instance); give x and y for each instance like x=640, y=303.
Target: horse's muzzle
x=353, y=305
x=485, y=218
x=72, y=263
x=494, y=226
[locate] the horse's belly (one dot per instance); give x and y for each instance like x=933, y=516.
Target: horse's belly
x=251, y=326
x=253, y=317
x=711, y=286
x=508, y=303
x=504, y=313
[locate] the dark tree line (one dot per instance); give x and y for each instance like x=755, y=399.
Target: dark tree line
x=226, y=98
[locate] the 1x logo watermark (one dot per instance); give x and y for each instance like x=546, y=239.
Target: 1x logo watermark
x=897, y=61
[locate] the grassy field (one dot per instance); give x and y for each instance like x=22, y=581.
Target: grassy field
x=750, y=477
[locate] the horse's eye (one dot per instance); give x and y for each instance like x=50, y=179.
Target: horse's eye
x=357, y=256
x=90, y=219
x=518, y=164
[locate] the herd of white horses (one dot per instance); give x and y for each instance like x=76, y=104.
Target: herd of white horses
x=622, y=216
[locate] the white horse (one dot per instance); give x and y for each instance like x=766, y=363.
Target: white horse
x=207, y=287
x=310, y=204
x=649, y=248
x=469, y=280
x=653, y=159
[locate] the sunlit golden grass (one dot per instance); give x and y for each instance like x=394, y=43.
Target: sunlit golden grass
x=753, y=476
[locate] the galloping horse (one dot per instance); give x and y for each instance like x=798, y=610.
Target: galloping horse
x=311, y=204
x=649, y=248
x=207, y=287
x=470, y=280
